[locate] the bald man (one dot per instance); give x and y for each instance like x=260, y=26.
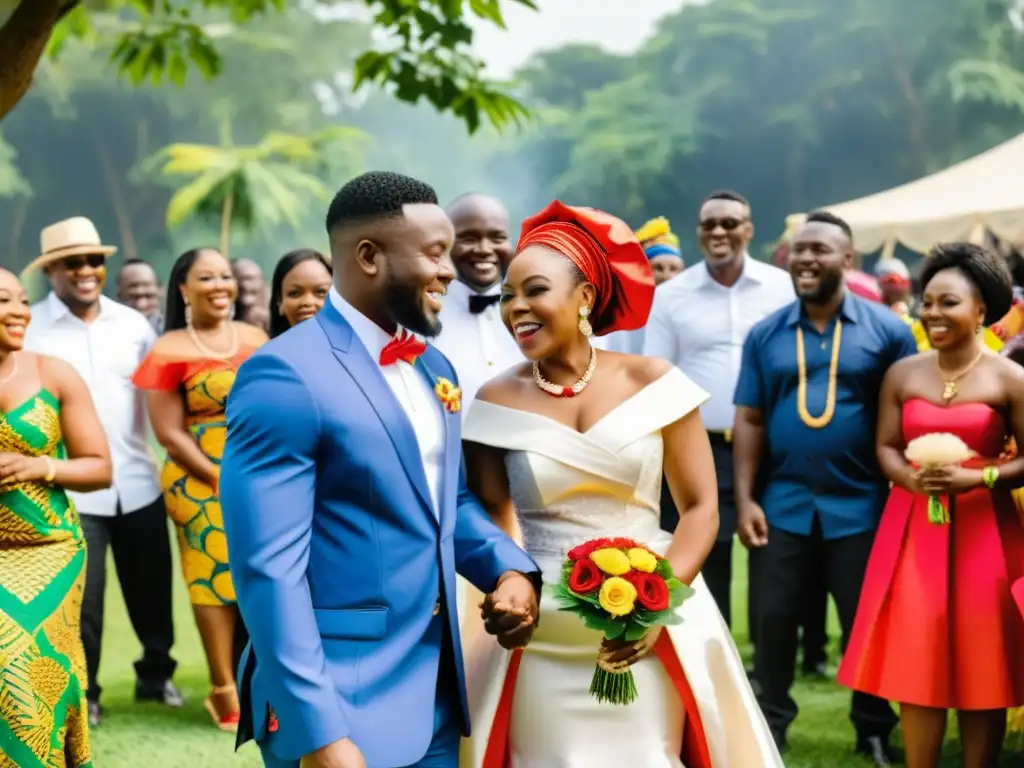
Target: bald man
x=474, y=337
x=253, y=297
x=139, y=288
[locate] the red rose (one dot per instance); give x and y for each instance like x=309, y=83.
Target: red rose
x=651, y=590
x=585, y=577
x=582, y=551
x=621, y=543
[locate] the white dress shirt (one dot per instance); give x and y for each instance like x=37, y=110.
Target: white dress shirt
x=626, y=342
x=106, y=353
x=699, y=325
x=478, y=346
x=412, y=390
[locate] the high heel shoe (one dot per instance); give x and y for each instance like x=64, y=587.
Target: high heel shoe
x=229, y=721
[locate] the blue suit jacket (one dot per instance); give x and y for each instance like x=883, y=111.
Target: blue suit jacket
x=337, y=556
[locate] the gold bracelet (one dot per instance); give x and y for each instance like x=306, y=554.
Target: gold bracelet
x=51, y=469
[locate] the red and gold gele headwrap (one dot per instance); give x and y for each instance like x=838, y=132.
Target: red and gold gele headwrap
x=607, y=253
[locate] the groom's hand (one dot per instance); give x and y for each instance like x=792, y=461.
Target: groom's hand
x=339, y=754
x=510, y=611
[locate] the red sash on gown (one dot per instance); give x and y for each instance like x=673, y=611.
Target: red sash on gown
x=695, y=746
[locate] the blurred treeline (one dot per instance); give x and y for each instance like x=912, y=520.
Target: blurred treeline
x=795, y=103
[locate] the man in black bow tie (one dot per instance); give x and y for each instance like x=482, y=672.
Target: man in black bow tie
x=474, y=338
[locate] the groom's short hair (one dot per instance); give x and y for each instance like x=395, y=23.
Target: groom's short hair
x=377, y=194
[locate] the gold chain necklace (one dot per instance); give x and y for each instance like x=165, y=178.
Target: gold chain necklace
x=949, y=384
x=817, y=422
x=556, y=391
x=232, y=347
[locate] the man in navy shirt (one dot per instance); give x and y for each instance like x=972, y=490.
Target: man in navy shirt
x=808, y=488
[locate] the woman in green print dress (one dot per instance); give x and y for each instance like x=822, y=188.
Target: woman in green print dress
x=50, y=439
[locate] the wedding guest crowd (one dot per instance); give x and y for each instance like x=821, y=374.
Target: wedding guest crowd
x=816, y=387
x=105, y=342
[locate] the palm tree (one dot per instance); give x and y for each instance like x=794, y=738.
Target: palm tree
x=258, y=186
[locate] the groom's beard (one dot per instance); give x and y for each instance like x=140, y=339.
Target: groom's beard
x=406, y=304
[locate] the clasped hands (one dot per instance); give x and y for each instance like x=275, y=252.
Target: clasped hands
x=510, y=612
x=942, y=481
x=18, y=468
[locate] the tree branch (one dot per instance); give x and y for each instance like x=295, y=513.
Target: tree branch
x=67, y=8
x=23, y=40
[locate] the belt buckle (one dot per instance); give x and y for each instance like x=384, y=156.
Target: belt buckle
x=727, y=434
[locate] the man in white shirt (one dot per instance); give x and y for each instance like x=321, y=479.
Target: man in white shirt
x=474, y=338
x=699, y=322
x=105, y=341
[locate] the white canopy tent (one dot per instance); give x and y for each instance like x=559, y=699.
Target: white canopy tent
x=962, y=202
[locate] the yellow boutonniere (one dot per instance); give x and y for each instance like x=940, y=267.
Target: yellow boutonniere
x=449, y=395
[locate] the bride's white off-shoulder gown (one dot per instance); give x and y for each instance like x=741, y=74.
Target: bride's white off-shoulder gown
x=532, y=709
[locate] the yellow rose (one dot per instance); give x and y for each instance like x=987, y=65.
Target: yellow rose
x=611, y=561
x=617, y=596
x=642, y=560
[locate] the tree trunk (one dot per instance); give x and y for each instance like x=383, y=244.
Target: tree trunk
x=23, y=40
x=225, y=224
x=916, y=118
x=117, y=199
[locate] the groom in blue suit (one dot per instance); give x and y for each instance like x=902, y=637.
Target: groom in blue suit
x=347, y=513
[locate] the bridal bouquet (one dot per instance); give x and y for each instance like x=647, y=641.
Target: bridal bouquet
x=622, y=589
x=937, y=449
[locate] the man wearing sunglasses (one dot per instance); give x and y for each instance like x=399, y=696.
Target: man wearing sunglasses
x=699, y=322
x=105, y=341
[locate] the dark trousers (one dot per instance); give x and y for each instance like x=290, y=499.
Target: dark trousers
x=814, y=616
x=717, y=570
x=788, y=567
x=142, y=557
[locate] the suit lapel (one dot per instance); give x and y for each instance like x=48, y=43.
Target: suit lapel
x=367, y=375
x=452, y=449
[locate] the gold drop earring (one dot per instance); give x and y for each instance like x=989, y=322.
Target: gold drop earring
x=584, y=324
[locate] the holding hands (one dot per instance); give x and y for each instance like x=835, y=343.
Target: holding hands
x=510, y=611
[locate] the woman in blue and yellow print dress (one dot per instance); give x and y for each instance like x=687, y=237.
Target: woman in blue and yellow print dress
x=188, y=375
x=50, y=439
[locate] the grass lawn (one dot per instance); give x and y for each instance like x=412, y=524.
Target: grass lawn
x=151, y=736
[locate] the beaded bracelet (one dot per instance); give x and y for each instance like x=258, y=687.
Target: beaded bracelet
x=989, y=476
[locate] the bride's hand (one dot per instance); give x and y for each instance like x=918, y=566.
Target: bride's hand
x=616, y=656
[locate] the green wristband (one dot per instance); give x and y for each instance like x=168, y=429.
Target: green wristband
x=989, y=475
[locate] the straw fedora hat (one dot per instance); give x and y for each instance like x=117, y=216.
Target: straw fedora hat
x=76, y=236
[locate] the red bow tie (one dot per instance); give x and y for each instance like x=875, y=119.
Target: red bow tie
x=405, y=347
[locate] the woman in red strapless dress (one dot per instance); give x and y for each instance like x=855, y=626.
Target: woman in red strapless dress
x=937, y=626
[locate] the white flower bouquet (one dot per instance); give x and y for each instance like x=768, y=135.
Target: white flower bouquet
x=937, y=449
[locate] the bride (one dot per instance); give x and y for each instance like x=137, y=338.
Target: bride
x=570, y=447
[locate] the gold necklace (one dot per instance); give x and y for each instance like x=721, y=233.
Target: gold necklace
x=232, y=347
x=817, y=422
x=949, y=384
x=10, y=373
x=556, y=391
